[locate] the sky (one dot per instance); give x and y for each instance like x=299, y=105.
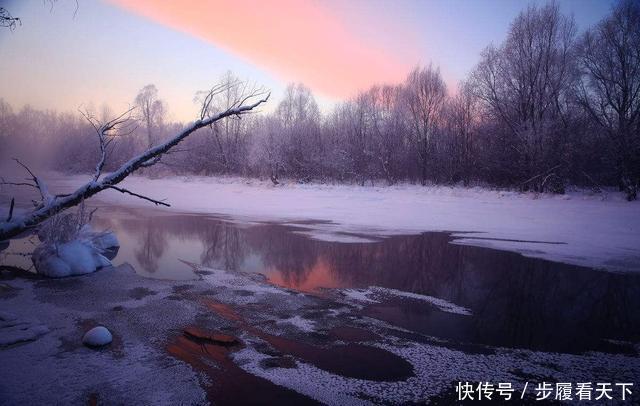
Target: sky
x=67, y=55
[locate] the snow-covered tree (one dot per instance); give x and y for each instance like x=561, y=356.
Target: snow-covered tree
x=609, y=58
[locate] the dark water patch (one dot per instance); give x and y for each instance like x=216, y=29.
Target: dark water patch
x=10, y=272
x=180, y=288
x=227, y=383
x=93, y=399
x=352, y=334
x=278, y=362
x=467, y=348
x=176, y=298
x=350, y=360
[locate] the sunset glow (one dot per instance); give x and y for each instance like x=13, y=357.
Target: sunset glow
x=284, y=37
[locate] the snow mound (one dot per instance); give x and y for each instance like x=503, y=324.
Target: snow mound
x=77, y=257
x=97, y=337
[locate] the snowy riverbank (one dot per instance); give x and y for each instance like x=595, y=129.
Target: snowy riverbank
x=576, y=228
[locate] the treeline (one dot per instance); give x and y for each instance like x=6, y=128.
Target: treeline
x=546, y=108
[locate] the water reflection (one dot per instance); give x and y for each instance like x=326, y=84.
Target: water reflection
x=516, y=301
x=153, y=243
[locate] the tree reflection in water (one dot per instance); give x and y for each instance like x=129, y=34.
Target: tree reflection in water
x=152, y=242
x=516, y=301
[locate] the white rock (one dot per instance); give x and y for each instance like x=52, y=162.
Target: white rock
x=97, y=337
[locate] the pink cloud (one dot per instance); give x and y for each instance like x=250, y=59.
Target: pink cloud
x=296, y=40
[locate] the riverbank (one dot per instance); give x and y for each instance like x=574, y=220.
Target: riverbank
x=577, y=228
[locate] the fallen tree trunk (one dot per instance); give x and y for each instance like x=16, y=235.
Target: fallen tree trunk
x=52, y=205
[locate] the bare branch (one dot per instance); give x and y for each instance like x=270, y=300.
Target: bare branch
x=156, y=202
x=39, y=184
x=7, y=20
x=111, y=129
x=3, y=182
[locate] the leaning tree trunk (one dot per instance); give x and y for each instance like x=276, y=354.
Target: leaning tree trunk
x=53, y=204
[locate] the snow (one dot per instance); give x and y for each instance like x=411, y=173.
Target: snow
x=77, y=257
x=374, y=294
x=135, y=370
x=97, y=337
x=237, y=280
x=601, y=231
x=441, y=304
x=15, y=330
x=301, y=323
x=358, y=295
x=105, y=241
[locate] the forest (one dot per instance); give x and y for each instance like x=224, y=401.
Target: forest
x=547, y=108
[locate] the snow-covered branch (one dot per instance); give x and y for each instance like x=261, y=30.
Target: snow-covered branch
x=55, y=204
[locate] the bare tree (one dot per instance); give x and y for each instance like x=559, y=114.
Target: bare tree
x=524, y=85
x=299, y=117
x=51, y=204
x=151, y=109
x=266, y=155
x=227, y=149
x=389, y=128
x=609, y=56
x=7, y=20
x=461, y=126
x=425, y=94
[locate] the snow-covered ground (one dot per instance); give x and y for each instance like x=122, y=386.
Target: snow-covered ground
x=151, y=362
x=578, y=228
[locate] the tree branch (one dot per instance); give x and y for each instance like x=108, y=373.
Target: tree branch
x=39, y=184
x=126, y=191
x=53, y=205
